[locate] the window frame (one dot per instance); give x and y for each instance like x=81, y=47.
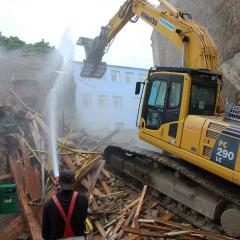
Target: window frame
x=87, y=97
x=105, y=97
x=211, y=84
x=118, y=80
x=132, y=77
x=169, y=95
x=120, y=98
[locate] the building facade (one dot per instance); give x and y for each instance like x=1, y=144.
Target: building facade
x=108, y=103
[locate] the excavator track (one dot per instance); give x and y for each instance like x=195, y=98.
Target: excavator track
x=227, y=193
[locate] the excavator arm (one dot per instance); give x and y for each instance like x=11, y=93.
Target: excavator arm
x=193, y=41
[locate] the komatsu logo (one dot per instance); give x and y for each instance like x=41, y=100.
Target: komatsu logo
x=150, y=19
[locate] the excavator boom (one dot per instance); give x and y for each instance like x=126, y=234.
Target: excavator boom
x=193, y=41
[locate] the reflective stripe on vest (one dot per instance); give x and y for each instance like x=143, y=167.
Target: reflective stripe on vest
x=68, y=231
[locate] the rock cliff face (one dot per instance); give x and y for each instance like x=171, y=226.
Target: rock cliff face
x=222, y=19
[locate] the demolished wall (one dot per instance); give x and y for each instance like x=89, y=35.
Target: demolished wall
x=29, y=74
x=222, y=20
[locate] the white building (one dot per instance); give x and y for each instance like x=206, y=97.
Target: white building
x=108, y=103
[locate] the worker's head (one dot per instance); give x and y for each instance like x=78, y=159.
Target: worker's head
x=66, y=179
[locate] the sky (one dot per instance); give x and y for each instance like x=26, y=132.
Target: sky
x=33, y=20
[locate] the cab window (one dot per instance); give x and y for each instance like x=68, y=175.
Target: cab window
x=203, y=99
x=156, y=104
x=175, y=95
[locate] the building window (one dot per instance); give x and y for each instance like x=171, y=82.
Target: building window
x=103, y=101
x=142, y=77
x=86, y=101
x=116, y=76
x=117, y=102
x=119, y=125
x=129, y=77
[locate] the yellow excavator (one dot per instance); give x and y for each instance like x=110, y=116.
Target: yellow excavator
x=198, y=174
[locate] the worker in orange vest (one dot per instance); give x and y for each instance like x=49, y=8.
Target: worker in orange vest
x=64, y=214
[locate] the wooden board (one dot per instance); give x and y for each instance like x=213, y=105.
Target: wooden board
x=5, y=176
x=31, y=180
x=12, y=230
x=29, y=212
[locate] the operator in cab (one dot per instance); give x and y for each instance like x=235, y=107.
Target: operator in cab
x=64, y=215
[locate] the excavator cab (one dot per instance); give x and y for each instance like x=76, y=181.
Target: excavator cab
x=170, y=95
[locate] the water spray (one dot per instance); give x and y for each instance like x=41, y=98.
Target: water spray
x=66, y=49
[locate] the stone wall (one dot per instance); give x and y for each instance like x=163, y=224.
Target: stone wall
x=30, y=75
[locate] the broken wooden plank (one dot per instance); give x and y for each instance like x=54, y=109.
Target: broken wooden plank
x=29, y=213
x=42, y=124
x=80, y=174
x=135, y=218
x=109, y=230
x=130, y=237
x=129, y=219
x=160, y=234
x=129, y=206
x=113, y=234
x=31, y=180
x=35, y=134
x=12, y=230
x=155, y=227
x=178, y=226
x=5, y=176
x=167, y=216
x=165, y=223
x=97, y=237
x=100, y=229
x=106, y=173
x=142, y=232
x=95, y=172
x=69, y=162
x=114, y=195
x=87, y=185
x=20, y=100
x=106, y=188
x=177, y=234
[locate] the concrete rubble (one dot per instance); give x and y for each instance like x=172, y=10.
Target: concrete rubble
x=118, y=209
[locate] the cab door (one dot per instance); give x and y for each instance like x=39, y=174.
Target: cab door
x=162, y=107
x=172, y=126
x=154, y=104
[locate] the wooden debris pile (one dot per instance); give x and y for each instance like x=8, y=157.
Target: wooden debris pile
x=120, y=212
x=115, y=210
x=30, y=165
